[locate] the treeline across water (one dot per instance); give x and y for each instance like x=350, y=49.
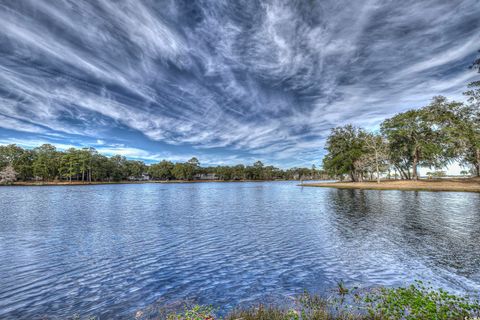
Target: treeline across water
x=47, y=163
x=433, y=136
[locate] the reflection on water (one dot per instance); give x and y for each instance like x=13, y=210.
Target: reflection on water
x=111, y=249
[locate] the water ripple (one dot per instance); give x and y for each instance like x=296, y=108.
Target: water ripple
x=111, y=249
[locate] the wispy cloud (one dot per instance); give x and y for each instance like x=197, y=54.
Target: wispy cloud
x=251, y=79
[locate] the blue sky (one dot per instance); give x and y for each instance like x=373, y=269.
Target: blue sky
x=228, y=82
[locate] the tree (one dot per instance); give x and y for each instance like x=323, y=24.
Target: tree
x=194, y=162
x=345, y=145
x=258, y=170
x=314, y=171
x=84, y=161
x=436, y=174
x=9, y=154
x=92, y=155
x=270, y=173
x=19, y=158
x=183, y=171
x=376, y=148
x=135, y=168
x=238, y=172
x=417, y=137
x=46, y=162
x=8, y=175
x=464, y=173
x=469, y=124
x=100, y=167
x=162, y=170
x=70, y=164
x=469, y=127
x=117, y=168
x=194, y=168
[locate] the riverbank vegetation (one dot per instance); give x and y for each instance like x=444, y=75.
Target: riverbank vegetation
x=47, y=164
x=433, y=136
x=414, y=302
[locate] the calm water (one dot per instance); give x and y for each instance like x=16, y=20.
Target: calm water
x=111, y=249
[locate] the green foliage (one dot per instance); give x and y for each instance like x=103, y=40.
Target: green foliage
x=135, y=168
x=264, y=313
x=345, y=146
x=419, y=302
x=405, y=303
x=70, y=163
x=183, y=171
x=437, y=174
x=161, y=170
x=433, y=136
x=20, y=159
x=47, y=163
x=118, y=168
x=194, y=162
x=415, y=138
x=469, y=128
x=197, y=312
x=413, y=302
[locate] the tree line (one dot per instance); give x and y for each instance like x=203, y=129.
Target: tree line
x=47, y=163
x=433, y=136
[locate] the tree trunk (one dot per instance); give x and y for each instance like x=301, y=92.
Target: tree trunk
x=401, y=173
x=378, y=170
x=477, y=165
x=353, y=177
x=415, y=164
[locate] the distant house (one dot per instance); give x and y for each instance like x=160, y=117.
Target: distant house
x=206, y=176
x=143, y=177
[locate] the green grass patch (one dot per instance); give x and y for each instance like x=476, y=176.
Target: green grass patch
x=414, y=302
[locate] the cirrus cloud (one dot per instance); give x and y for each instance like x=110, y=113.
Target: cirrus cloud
x=248, y=79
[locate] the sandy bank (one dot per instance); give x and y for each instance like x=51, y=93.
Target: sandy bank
x=450, y=184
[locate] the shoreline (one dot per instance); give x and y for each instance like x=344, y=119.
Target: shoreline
x=80, y=183
x=434, y=185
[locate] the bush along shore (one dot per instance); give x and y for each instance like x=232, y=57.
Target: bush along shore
x=415, y=302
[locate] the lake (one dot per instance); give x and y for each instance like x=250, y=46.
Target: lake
x=109, y=250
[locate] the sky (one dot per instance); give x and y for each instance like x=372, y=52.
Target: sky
x=226, y=81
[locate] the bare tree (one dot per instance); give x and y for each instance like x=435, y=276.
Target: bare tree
x=376, y=146
x=8, y=175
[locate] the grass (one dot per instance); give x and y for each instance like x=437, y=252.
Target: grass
x=414, y=302
x=449, y=184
